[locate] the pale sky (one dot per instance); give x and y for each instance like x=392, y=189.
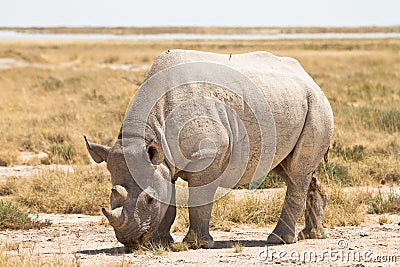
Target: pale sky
x=27, y=13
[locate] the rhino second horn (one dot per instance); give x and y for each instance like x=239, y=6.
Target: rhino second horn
x=120, y=194
x=116, y=217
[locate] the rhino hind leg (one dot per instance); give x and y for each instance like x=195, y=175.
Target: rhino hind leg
x=163, y=235
x=313, y=214
x=297, y=170
x=284, y=232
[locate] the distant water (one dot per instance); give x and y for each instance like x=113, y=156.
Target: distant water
x=4, y=35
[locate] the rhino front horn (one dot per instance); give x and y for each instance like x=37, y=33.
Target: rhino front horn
x=116, y=217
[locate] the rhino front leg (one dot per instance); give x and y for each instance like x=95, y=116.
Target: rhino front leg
x=315, y=205
x=163, y=235
x=199, y=234
x=200, y=207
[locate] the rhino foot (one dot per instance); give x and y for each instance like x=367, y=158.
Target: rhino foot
x=312, y=233
x=164, y=239
x=196, y=241
x=275, y=238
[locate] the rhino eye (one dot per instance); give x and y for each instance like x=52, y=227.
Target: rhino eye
x=155, y=153
x=150, y=200
x=152, y=152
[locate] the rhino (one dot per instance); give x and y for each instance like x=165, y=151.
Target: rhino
x=291, y=107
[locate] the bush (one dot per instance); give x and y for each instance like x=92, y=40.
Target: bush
x=332, y=172
x=63, y=151
x=381, y=203
x=52, y=84
x=354, y=153
x=12, y=218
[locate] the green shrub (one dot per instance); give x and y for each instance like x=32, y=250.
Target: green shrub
x=381, y=203
x=64, y=151
x=333, y=172
x=52, y=84
x=354, y=153
x=12, y=218
x=384, y=120
x=270, y=181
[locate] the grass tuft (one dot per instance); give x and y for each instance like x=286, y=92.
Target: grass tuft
x=85, y=190
x=9, y=187
x=384, y=203
x=345, y=209
x=52, y=84
x=334, y=173
x=63, y=151
x=14, y=219
x=354, y=153
x=195, y=241
x=383, y=220
x=237, y=248
x=156, y=248
x=248, y=210
x=179, y=246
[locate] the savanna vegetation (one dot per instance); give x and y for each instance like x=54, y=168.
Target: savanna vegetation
x=52, y=93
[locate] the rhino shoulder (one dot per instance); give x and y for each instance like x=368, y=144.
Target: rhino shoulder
x=168, y=59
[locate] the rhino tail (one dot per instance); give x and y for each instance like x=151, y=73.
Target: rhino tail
x=326, y=155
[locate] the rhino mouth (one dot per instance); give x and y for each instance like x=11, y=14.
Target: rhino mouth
x=137, y=238
x=135, y=245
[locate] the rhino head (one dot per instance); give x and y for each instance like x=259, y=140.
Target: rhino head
x=135, y=212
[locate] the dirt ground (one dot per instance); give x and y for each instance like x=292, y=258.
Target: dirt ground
x=83, y=240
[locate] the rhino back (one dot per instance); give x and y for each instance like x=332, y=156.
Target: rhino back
x=289, y=91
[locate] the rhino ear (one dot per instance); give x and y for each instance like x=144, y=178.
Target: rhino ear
x=98, y=153
x=155, y=152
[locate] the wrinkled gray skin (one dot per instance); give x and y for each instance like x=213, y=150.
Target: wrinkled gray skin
x=304, y=128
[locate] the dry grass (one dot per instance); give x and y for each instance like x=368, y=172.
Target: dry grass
x=29, y=259
x=10, y=246
x=62, y=90
x=7, y=260
x=237, y=248
x=345, y=209
x=229, y=211
x=383, y=220
x=85, y=190
x=179, y=246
